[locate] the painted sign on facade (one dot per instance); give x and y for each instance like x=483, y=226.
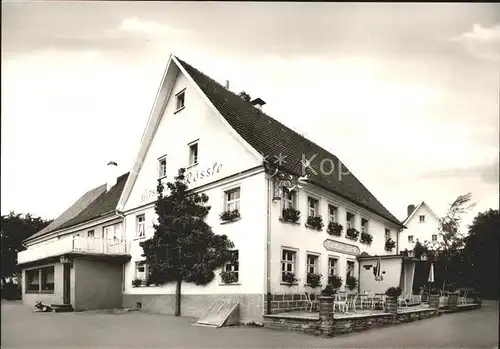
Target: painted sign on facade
x=337, y=246
x=193, y=177
x=148, y=195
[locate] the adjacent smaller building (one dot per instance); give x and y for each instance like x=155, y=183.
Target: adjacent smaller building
x=422, y=225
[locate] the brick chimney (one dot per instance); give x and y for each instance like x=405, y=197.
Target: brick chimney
x=410, y=209
x=112, y=169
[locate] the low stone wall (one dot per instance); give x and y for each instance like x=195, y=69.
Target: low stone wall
x=296, y=324
x=285, y=302
x=328, y=326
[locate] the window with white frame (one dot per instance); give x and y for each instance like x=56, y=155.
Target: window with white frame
x=180, y=100
x=410, y=238
x=332, y=266
x=434, y=237
x=288, y=260
x=110, y=233
x=350, y=220
x=312, y=264
x=421, y=219
x=140, y=225
x=312, y=207
x=332, y=213
x=193, y=153
x=162, y=167
x=141, y=270
x=289, y=198
x=232, y=199
x=387, y=234
x=350, y=268
x=364, y=225
x=233, y=267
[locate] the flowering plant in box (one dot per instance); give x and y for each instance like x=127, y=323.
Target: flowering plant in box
x=352, y=233
x=291, y=215
x=315, y=222
x=334, y=228
x=228, y=216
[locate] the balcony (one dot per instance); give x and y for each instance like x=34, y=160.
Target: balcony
x=74, y=245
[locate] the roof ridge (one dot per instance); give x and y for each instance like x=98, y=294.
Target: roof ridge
x=269, y=136
x=257, y=109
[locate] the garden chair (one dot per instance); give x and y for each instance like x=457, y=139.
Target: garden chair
x=351, y=302
x=379, y=300
x=366, y=299
x=403, y=299
x=312, y=301
x=340, y=302
x=463, y=298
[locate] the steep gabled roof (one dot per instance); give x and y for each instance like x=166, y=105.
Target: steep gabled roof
x=407, y=219
x=272, y=139
x=93, y=204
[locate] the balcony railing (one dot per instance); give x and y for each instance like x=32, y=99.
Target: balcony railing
x=74, y=244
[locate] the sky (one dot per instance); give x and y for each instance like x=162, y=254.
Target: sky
x=406, y=95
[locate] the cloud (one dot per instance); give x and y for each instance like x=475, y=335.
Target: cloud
x=481, y=42
x=487, y=173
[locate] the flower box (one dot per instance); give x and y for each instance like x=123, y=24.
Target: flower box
x=352, y=233
x=229, y=216
x=366, y=238
x=229, y=277
x=390, y=244
x=289, y=279
x=334, y=229
x=315, y=222
x=290, y=215
x=314, y=280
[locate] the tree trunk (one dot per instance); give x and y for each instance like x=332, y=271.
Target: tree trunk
x=178, y=298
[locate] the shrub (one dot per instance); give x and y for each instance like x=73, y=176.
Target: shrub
x=351, y=282
x=228, y=216
x=229, y=277
x=335, y=281
x=11, y=291
x=334, y=229
x=315, y=222
x=291, y=215
x=390, y=244
x=289, y=278
x=314, y=280
x=366, y=238
x=328, y=291
x=352, y=233
x=393, y=292
x=137, y=282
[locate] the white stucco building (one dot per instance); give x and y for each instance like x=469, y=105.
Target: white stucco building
x=422, y=224
x=245, y=160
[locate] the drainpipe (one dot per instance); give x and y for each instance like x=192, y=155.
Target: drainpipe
x=124, y=231
x=268, y=245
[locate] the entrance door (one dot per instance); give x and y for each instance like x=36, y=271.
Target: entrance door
x=66, y=283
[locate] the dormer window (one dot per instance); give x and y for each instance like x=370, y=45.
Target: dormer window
x=193, y=153
x=162, y=167
x=179, y=100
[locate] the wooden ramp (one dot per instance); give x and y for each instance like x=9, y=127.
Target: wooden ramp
x=219, y=313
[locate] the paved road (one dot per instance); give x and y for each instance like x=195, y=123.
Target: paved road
x=23, y=329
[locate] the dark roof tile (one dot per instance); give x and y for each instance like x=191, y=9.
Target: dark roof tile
x=270, y=137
